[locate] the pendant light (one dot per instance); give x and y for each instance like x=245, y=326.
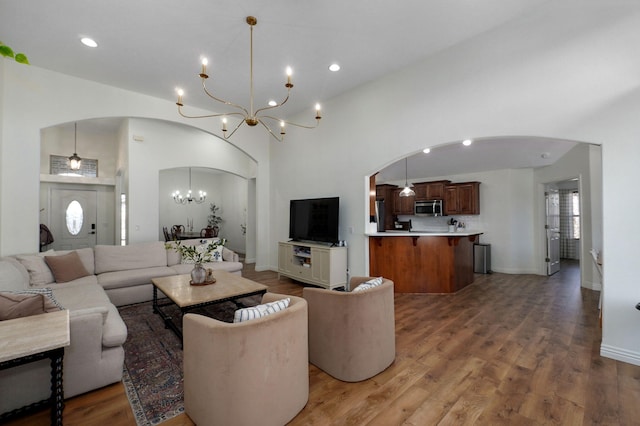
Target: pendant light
x=406, y=192
x=74, y=160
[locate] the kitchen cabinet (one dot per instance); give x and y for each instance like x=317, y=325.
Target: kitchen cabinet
x=423, y=264
x=430, y=190
x=402, y=205
x=462, y=198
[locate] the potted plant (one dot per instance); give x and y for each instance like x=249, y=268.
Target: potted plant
x=213, y=220
x=198, y=255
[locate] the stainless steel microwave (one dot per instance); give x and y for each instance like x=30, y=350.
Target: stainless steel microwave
x=428, y=208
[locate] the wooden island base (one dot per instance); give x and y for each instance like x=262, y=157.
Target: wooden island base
x=423, y=264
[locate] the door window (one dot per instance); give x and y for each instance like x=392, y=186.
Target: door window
x=74, y=217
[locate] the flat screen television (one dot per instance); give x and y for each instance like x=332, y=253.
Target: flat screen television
x=314, y=219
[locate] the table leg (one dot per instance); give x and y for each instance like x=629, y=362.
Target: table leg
x=57, y=392
x=155, y=299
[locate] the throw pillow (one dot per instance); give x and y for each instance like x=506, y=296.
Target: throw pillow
x=14, y=306
x=259, y=311
x=375, y=282
x=200, y=248
x=216, y=255
x=66, y=267
x=43, y=296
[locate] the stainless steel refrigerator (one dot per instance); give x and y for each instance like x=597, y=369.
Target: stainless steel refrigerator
x=380, y=215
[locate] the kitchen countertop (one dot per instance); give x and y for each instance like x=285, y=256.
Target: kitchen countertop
x=393, y=233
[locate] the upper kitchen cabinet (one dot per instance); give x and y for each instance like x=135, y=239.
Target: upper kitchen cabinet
x=402, y=205
x=462, y=198
x=430, y=190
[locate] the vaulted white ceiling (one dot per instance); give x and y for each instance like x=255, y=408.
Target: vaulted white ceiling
x=152, y=47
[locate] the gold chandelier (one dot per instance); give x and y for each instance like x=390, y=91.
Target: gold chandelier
x=249, y=116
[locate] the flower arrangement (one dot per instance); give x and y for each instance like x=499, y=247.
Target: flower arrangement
x=200, y=253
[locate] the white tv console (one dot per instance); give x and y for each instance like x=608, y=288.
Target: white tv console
x=315, y=264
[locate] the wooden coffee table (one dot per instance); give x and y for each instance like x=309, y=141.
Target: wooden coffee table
x=228, y=287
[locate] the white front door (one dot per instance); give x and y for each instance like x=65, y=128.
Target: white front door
x=552, y=226
x=73, y=218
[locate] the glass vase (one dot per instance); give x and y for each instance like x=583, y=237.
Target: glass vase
x=198, y=274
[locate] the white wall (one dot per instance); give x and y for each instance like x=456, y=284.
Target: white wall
x=96, y=145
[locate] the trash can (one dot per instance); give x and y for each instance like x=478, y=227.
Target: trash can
x=482, y=258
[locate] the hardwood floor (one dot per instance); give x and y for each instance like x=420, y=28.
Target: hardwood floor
x=509, y=349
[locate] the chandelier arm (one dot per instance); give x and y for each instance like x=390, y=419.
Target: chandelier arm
x=234, y=130
x=274, y=106
x=279, y=139
x=208, y=115
x=231, y=104
x=292, y=123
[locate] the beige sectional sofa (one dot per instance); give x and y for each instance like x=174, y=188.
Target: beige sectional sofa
x=118, y=275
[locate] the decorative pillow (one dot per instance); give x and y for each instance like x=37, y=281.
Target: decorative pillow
x=14, y=306
x=25, y=301
x=201, y=248
x=66, y=267
x=246, y=314
x=39, y=272
x=216, y=255
x=375, y=282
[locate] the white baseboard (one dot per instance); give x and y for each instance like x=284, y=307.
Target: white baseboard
x=592, y=286
x=620, y=354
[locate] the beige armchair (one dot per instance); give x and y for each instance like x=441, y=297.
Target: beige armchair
x=249, y=373
x=352, y=336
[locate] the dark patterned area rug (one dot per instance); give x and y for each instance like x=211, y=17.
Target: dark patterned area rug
x=153, y=360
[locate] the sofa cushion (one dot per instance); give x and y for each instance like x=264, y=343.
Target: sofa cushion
x=128, y=278
x=126, y=258
x=14, y=306
x=13, y=275
x=39, y=272
x=259, y=311
x=66, y=267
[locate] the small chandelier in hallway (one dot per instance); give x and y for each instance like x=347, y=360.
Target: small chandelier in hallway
x=179, y=199
x=74, y=160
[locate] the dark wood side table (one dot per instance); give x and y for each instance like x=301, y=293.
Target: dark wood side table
x=30, y=339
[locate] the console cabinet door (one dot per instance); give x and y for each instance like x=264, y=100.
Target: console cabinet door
x=284, y=257
x=320, y=268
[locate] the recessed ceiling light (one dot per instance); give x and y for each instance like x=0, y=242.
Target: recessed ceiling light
x=272, y=103
x=334, y=67
x=426, y=150
x=89, y=42
x=466, y=142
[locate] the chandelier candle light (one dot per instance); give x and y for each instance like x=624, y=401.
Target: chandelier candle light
x=251, y=117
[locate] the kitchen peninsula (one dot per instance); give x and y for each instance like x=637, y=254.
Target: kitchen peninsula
x=423, y=262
